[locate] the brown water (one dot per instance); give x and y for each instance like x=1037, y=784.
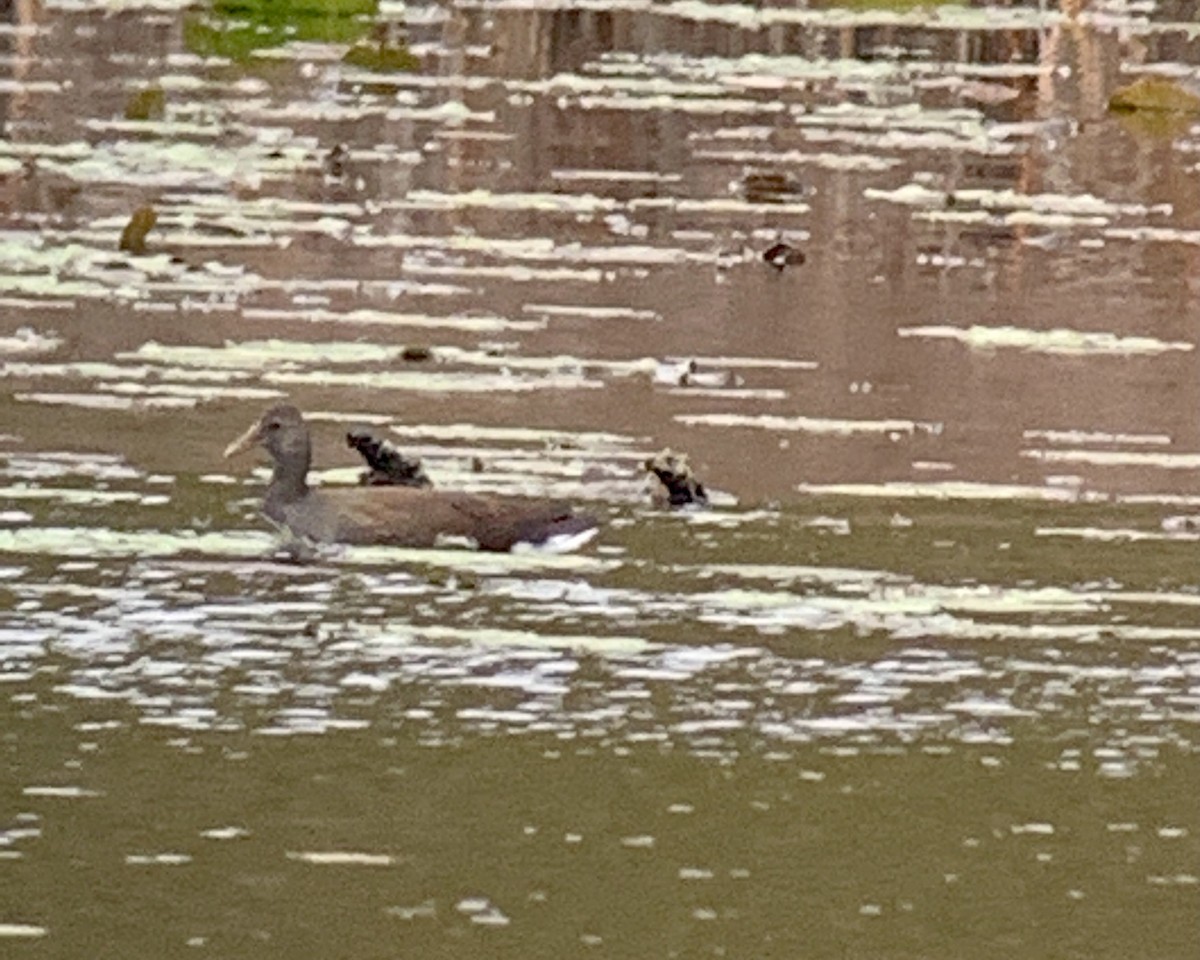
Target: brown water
x=924, y=683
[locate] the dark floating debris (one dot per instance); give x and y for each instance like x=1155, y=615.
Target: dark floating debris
x=687, y=373
x=335, y=162
x=680, y=485
x=416, y=354
x=682, y=374
x=770, y=187
x=782, y=255
x=388, y=466
x=133, y=237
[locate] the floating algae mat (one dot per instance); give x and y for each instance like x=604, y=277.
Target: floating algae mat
x=236, y=29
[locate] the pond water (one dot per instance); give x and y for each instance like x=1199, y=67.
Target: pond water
x=923, y=682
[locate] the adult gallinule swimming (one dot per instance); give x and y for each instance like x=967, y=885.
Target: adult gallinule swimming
x=395, y=515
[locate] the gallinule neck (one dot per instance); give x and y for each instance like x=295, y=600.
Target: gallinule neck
x=395, y=515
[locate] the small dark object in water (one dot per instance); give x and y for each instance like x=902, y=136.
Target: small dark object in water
x=388, y=466
x=676, y=476
x=416, y=354
x=782, y=255
x=769, y=187
x=335, y=161
x=394, y=516
x=133, y=237
x=690, y=369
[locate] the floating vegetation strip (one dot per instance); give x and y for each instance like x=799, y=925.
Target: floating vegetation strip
x=1059, y=341
x=237, y=29
x=816, y=425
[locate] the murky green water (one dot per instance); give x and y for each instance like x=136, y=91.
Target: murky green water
x=924, y=683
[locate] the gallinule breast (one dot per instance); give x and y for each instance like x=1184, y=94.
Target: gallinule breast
x=395, y=515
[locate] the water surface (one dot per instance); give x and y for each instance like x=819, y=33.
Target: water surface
x=924, y=683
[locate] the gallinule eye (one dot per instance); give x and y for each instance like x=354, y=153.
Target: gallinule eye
x=393, y=515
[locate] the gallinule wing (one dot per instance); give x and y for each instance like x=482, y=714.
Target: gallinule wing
x=399, y=516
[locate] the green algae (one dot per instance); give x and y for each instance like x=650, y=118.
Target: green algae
x=382, y=57
x=236, y=29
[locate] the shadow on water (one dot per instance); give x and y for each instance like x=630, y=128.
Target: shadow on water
x=924, y=681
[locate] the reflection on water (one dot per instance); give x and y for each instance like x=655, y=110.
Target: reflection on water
x=914, y=726
x=926, y=682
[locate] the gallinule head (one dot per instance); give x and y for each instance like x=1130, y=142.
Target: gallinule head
x=680, y=485
x=394, y=515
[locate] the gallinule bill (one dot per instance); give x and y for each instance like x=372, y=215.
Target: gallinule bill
x=394, y=515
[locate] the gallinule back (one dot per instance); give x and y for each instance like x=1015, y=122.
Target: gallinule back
x=394, y=515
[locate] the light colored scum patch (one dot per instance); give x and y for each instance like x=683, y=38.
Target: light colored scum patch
x=1057, y=341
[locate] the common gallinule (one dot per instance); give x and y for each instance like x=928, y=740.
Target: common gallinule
x=394, y=515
